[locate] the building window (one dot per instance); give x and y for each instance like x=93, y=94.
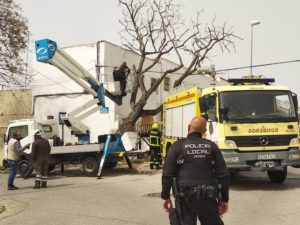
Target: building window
x=167, y=81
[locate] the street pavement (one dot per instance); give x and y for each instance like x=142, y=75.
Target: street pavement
x=121, y=197
x=125, y=196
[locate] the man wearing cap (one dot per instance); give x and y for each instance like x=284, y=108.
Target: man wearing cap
x=40, y=155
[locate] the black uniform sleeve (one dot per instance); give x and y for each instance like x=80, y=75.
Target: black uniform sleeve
x=33, y=151
x=49, y=147
x=221, y=172
x=169, y=171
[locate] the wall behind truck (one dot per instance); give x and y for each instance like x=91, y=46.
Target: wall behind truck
x=14, y=105
x=49, y=80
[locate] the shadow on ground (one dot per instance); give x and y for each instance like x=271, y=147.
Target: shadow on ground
x=245, y=181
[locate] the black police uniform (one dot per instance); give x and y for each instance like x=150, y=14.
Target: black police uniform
x=197, y=164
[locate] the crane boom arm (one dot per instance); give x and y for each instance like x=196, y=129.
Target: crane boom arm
x=48, y=52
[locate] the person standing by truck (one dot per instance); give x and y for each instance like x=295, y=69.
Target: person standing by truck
x=154, y=144
x=201, y=174
x=14, y=151
x=40, y=155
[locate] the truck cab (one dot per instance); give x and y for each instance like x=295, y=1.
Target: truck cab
x=26, y=128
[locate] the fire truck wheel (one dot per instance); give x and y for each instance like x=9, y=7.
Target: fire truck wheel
x=278, y=176
x=89, y=165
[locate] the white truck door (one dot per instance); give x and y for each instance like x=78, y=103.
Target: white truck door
x=24, y=128
x=178, y=118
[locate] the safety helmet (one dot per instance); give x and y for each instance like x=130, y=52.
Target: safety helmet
x=37, y=133
x=155, y=126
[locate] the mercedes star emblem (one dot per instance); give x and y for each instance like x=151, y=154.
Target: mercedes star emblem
x=263, y=140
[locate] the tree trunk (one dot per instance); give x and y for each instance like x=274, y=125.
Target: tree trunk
x=128, y=123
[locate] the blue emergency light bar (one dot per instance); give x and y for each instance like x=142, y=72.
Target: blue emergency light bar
x=45, y=50
x=237, y=81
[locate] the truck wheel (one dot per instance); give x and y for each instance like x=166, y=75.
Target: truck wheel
x=89, y=165
x=25, y=168
x=278, y=176
x=51, y=167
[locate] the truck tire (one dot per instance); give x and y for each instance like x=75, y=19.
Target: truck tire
x=25, y=168
x=89, y=165
x=278, y=176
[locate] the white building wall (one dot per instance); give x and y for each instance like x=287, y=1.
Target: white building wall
x=49, y=80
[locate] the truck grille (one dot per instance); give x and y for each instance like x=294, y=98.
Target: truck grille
x=252, y=141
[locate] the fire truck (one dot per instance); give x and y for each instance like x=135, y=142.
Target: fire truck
x=254, y=123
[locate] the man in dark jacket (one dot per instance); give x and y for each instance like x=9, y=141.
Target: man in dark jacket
x=121, y=74
x=40, y=153
x=201, y=174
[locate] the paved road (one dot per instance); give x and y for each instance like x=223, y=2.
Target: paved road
x=124, y=197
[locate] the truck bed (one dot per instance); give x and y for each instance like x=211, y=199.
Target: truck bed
x=76, y=149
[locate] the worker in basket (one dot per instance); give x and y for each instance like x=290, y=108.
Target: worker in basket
x=121, y=74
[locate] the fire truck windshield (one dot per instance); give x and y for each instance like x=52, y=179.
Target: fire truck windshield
x=257, y=106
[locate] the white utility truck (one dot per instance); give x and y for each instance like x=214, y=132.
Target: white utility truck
x=93, y=156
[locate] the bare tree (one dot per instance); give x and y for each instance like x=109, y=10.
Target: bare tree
x=14, y=36
x=154, y=29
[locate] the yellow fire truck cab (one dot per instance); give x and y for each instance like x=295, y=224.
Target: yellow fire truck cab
x=254, y=123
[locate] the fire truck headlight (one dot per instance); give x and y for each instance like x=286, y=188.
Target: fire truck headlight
x=294, y=141
x=294, y=157
x=231, y=143
x=232, y=159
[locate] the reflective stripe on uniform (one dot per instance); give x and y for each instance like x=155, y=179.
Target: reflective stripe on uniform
x=38, y=177
x=154, y=138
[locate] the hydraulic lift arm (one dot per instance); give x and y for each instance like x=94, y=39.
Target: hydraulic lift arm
x=48, y=52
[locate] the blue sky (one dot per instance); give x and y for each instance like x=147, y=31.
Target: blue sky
x=276, y=39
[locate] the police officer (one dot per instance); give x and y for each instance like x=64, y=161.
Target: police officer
x=200, y=169
x=154, y=143
x=40, y=153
